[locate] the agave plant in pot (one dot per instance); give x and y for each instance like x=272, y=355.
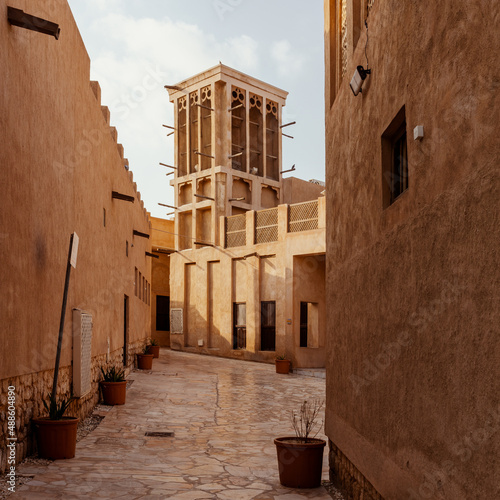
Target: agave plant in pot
x=282, y=364
x=56, y=434
x=145, y=360
x=113, y=386
x=154, y=348
x=300, y=457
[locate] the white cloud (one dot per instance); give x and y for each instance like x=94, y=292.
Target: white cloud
x=136, y=58
x=289, y=62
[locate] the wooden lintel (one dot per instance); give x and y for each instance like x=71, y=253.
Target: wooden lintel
x=17, y=17
x=120, y=196
x=149, y=254
x=138, y=233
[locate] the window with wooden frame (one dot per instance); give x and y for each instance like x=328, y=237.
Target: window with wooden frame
x=239, y=325
x=395, y=178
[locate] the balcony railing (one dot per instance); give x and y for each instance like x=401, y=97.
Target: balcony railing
x=266, y=225
x=303, y=216
x=236, y=228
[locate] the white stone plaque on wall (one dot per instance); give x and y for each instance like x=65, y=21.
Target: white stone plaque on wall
x=176, y=321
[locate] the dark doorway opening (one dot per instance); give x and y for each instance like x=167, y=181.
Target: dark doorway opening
x=162, y=313
x=125, y=330
x=303, y=324
x=268, y=326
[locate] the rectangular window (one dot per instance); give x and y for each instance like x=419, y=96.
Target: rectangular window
x=162, y=313
x=303, y=324
x=139, y=285
x=268, y=326
x=136, y=281
x=395, y=159
x=309, y=324
x=104, y=217
x=399, y=165
x=239, y=326
x=126, y=248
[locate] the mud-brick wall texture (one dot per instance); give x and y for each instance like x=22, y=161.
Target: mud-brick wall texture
x=413, y=379
x=60, y=163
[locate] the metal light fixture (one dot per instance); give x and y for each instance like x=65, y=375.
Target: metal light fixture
x=358, y=79
x=360, y=74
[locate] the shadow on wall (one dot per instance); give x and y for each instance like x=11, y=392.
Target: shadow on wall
x=303, y=343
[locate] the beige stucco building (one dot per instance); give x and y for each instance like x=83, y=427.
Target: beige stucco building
x=63, y=172
x=413, y=233
x=247, y=277
x=162, y=246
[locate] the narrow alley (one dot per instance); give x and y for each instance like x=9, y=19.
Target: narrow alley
x=224, y=415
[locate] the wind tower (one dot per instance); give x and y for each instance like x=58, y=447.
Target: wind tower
x=227, y=151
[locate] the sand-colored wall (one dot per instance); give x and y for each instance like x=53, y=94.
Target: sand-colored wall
x=206, y=282
x=163, y=244
x=412, y=362
x=297, y=190
x=60, y=163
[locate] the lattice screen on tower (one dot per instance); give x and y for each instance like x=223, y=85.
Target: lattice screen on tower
x=236, y=231
x=266, y=225
x=303, y=216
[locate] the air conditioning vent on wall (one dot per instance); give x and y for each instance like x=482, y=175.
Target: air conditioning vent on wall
x=176, y=321
x=82, y=352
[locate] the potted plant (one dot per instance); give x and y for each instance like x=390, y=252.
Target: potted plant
x=113, y=386
x=282, y=364
x=154, y=348
x=145, y=360
x=56, y=434
x=300, y=458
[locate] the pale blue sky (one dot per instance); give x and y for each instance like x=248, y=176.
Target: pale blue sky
x=137, y=46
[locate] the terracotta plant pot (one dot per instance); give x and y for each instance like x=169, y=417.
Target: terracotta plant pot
x=114, y=393
x=154, y=350
x=300, y=464
x=56, y=438
x=282, y=365
x=145, y=361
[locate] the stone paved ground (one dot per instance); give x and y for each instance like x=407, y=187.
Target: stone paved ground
x=224, y=415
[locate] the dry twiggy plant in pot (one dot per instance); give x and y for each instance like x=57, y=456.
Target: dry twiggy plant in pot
x=300, y=457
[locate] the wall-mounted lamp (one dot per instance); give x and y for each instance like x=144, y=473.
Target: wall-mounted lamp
x=360, y=74
x=358, y=79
